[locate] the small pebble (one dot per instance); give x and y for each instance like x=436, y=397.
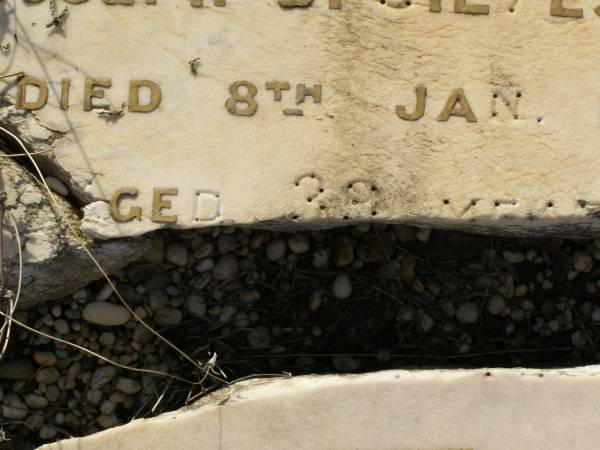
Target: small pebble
x=496, y=305
x=276, y=249
x=342, y=286
x=226, y=268
x=259, y=338
x=196, y=305
x=128, y=386
x=45, y=359
x=102, y=376
x=176, y=253
x=583, y=262
x=514, y=257
x=298, y=243
x=48, y=432
x=107, y=314
x=168, y=317
x=467, y=312
x=423, y=234
x=320, y=258
x=104, y=293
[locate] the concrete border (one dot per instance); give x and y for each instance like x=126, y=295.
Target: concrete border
x=495, y=409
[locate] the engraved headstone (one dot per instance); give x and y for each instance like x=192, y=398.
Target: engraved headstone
x=190, y=113
x=500, y=409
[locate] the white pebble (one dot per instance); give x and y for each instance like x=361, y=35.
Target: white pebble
x=107, y=314
x=342, y=286
x=467, y=312
x=276, y=249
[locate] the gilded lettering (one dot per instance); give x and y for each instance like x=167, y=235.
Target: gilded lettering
x=89, y=93
x=42, y=97
x=134, y=96
x=558, y=9
x=158, y=204
x=461, y=7
x=420, y=108
x=302, y=91
x=277, y=87
x=457, y=105
x=134, y=212
x=232, y=104
x=64, y=94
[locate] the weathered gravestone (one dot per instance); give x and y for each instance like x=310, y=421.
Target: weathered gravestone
x=289, y=113
x=501, y=409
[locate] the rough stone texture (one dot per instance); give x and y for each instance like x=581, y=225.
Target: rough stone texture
x=347, y=159
x=496, y=409
x=55, y=265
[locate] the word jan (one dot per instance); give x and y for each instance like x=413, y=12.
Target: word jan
x=458, y=105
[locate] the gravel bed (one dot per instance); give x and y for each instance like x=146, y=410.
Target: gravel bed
x=270, y=304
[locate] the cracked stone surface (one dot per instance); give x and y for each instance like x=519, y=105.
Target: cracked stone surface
x=55, y=265
x=525, y=163
x=496, y=409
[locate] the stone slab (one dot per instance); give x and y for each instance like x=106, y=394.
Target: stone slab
x=507, y=139
x=495, y=409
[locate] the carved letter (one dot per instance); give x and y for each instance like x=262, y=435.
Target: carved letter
x=75, y=2
x=302, y=92
x=335, y=4
x=461, y=7
x=90, y=93
x=457, y=97
x=158, y=204
x=64, y=94
x=512, y=105
x=557, y=9
x=134, y=213
x=42, y=99
x=435, y=5
x=419, y=110
x=134, y=96
x=278, y=86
